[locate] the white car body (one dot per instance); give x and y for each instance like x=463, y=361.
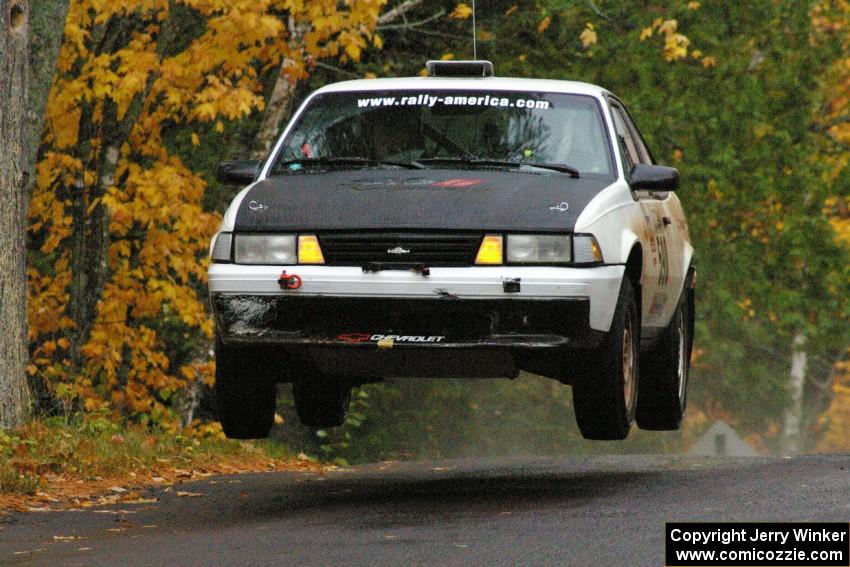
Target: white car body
x=620, y=218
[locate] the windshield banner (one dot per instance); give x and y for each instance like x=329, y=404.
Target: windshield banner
x=457, y=100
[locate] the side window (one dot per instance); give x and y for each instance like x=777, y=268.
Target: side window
x=625, y=134
x=645, y=157
x=641, y=150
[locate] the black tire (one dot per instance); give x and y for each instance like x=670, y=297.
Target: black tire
x=605, y=391
x=321, y=401
x=245, y=392
x=663, y=394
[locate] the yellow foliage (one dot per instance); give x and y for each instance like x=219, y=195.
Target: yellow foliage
x=835, y=421
x=544, y=24
x=676, y=44
x=676, y=47
x=668, y=27
x=485, y=35
x=103, y=147
x=831, y=19
x=589, y=36
x=461, y=12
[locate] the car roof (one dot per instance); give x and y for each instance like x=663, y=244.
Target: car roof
x=467, y=83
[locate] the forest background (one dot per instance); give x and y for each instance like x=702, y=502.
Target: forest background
x=751, y=101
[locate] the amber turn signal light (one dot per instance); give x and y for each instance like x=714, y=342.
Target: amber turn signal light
x=491, y=251
x=309, y=250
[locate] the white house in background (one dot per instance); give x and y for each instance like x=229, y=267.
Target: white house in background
x=721, y=441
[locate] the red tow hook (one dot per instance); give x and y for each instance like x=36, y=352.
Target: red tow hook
x=289, y=281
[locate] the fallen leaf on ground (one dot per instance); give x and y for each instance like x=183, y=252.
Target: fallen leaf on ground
x=141, y=501
x=114, y=512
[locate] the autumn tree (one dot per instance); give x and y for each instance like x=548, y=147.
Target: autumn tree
x=14, y=58
x=117, y=222
x=831, y=21
x=299, y=59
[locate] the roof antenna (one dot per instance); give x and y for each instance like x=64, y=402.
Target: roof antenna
x=474, y=35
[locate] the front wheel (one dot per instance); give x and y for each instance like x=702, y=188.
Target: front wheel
x=245, y=392
x=606, y=390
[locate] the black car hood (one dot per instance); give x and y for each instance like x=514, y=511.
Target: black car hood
x=417, y=199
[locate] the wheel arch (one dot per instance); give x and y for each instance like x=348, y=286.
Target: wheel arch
x=634, y=270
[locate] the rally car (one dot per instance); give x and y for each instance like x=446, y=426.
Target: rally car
x=454, y=225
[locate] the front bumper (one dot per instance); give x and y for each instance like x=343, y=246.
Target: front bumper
x=451, y=307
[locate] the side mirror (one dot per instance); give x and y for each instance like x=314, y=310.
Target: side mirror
x=654, y=178
x=241, y=172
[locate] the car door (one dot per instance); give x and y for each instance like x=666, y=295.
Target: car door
x=662, y=241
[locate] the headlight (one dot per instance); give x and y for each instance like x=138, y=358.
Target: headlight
x=265, y=249
x=538, y=249
x=222, y=247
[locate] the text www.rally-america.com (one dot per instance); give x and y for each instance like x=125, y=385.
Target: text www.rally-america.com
x=432, y=100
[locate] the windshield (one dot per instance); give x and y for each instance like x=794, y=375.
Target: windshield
x=395, y=127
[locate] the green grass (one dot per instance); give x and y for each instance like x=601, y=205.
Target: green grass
x=93, y=448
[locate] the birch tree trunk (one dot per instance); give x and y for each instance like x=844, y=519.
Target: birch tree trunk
x=14, y=157
x=791, y=433
x=279, y=104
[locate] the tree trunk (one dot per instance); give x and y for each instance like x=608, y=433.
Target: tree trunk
x=791, y=433
x=47, y=24
x=278, y=107
x=279, y=104
x=14, y=154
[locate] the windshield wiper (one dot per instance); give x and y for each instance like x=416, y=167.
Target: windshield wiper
x=560, y=167
x=347, y=160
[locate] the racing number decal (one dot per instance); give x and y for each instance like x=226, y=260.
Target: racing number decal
x=657, y=238
x=663, y=258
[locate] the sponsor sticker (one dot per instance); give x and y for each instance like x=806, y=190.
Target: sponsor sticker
x=458, y=183
x=356, y=338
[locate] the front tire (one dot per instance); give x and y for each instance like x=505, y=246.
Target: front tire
x=605, y=393
x=244, y=391
x=665, y=371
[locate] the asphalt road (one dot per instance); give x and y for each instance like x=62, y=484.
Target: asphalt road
x=529, y=511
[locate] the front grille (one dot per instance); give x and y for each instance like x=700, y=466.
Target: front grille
x=358, y=249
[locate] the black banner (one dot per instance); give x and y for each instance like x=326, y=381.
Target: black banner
x=744, y=544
